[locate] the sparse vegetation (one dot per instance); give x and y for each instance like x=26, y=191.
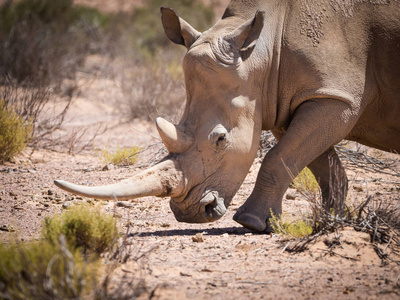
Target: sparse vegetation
x=296, y=229
x=60, y=265
x=40, y=270
x=44, y=41
x=14, y=132
x=84, y=227
x=121, y=156
x=306, y=182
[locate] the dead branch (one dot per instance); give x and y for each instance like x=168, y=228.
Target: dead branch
x=361, y=160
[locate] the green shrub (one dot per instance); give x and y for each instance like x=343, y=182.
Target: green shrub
x=297, y=229
x=44, y=41
x=84, y=227
x=14, y=132
x=121, y=156
x=306, y=182
x=40, y=270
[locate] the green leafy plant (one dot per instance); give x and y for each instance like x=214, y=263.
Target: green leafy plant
x=121, y=156
x=296, y=229
x=84, y=227
x=14, y=132
x=306, y=182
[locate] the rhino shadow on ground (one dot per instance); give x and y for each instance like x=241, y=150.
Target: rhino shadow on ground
x=189, y=232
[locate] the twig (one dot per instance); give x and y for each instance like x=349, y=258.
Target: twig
x=330, y=251
x=283, y=250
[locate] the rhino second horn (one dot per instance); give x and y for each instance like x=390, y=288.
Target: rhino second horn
x=174, y=139
x=160, y=180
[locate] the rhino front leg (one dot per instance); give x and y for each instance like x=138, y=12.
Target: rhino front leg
x=315, y=127
x=332, y=179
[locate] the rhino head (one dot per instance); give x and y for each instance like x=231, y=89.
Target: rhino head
x=213, y=146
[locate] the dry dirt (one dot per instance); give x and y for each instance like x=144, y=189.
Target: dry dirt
x=175, y=260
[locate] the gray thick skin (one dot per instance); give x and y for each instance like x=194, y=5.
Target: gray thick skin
x=312, y=71
x=337, y=78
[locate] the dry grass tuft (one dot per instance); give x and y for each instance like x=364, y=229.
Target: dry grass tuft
x=84, y=227
x=14, y=132
x=121, y=156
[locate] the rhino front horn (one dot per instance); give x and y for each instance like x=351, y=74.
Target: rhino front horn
x=163, y=179
x=174, y=139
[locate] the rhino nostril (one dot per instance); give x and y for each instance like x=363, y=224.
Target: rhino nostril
x=209, y=208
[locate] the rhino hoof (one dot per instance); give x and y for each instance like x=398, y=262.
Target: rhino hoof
x=250, y=221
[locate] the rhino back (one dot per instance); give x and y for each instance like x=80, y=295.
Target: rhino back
x=347, y=48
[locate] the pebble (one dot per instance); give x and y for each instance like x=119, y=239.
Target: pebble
x=198, y=238
x=290, y=196
x=126, y=204
x=6, y=227
x=108, y=167
x=66, y=205
x=358, y=188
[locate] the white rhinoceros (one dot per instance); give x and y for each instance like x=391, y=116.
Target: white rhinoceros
x=312, y=71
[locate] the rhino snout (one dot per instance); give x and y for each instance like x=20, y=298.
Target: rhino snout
x=210, y=208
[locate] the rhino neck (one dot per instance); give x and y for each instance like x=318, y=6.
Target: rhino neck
x=269, y=51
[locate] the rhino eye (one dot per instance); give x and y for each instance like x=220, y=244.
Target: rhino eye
x=221, y=141
x=222, y=137
x=218, y=137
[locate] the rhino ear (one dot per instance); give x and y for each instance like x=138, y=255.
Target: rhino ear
x=177, y=29
x=245, y=36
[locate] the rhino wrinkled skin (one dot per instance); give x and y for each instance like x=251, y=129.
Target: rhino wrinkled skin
x=312, y=72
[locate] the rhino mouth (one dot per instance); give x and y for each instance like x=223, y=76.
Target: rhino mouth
x=210, y=208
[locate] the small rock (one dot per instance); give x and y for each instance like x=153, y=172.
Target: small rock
x=126, y=204
x=66, y=205
x=12, y=194
x=198, y=238
x=358, y=188
x=6, y=227
x=35, y=197
x=290, y=196
x=108, y=167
